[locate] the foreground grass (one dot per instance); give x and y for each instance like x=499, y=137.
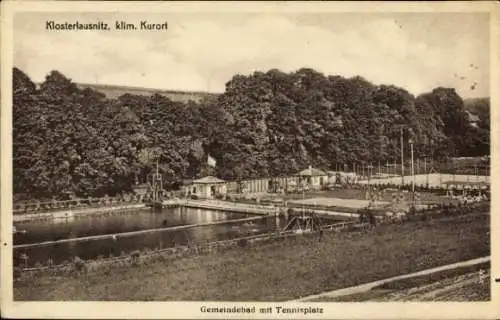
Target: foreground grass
x=471, y=292
x=434, y=277
x=284, y=270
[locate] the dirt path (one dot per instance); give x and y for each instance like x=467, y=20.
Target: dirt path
x=368, y=286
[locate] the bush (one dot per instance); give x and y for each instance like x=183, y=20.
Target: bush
x=79, y=264
x=135, y=255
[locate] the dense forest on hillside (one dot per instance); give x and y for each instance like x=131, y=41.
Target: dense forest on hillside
x=68, y=139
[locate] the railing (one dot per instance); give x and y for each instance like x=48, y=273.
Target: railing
x=49, y=206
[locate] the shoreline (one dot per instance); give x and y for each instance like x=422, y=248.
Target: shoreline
x=218, y=205
x=337, y=250
x=70, y=213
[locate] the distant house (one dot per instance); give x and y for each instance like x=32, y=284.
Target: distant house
x=473, y=119
x=313, y=178
x=207, y=187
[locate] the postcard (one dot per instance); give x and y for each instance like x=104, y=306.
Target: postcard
x=232, y=160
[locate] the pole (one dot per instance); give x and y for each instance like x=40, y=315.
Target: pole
x=155, y=183
x=402, y=160
x=440, y=175
x=412, y=169
x=369, y=173
x=426, y=173
x=395, y=173
x=454, y=170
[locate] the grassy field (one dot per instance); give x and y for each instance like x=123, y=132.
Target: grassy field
x=284, y=270
x=404, y=289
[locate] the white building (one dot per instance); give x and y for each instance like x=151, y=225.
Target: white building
x=313, y=178
x=207, y=187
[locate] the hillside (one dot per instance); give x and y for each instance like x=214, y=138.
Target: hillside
x=113, y=92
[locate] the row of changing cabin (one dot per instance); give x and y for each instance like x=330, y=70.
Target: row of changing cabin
x=311, y=178
x=210, y=186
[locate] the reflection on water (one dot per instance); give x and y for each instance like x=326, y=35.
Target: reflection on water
x=116, y=222
x=131, y=221
x=39, y=231
x=154, y=240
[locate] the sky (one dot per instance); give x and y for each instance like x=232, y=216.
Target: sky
x=202, y=51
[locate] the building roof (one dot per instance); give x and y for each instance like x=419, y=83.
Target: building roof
x=208, y=180
x=472, y=117
x=311, y=172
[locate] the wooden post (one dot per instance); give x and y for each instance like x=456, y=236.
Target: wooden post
x=395, y=167
x=402, y=160
x=426, y=173
x=25, y=257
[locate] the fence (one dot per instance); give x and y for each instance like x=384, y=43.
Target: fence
x=422, y=166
